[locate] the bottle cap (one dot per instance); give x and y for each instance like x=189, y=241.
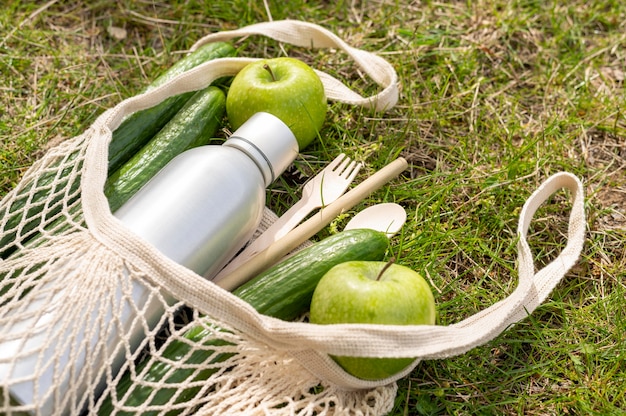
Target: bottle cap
x=268, y=141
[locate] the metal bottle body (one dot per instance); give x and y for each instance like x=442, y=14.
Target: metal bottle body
x=201, y=208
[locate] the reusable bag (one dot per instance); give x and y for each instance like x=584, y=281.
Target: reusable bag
x=65, y=300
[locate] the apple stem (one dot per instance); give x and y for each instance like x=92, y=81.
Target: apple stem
x=384, y=269
x=268, y=69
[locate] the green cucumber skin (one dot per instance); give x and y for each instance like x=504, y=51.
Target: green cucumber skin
x=54, y=196
x=290, y=294
x=201, y=55
x=194, y=125
x=137, y=129
x=284, y=291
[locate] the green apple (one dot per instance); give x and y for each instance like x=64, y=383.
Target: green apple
x=285, y=87
x=377, y=293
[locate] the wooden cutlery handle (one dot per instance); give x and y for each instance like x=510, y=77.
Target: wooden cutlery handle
x=312, y=226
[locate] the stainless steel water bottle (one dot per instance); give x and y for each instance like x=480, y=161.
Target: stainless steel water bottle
x=206, y=203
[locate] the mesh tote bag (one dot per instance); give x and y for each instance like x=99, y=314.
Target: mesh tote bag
x=74, y=339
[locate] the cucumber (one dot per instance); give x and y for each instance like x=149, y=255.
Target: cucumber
x=284, y=291
x=37, y=194
x=134, y=132
x=194, y=125
x=138, y=128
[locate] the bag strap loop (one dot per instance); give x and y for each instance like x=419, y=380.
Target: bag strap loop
x=533, y=288
x=310, y=35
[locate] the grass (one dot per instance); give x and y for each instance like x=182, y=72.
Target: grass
x=496, y=96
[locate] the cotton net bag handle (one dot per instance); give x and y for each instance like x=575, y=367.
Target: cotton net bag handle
x=295, y=32
x=310, y=35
